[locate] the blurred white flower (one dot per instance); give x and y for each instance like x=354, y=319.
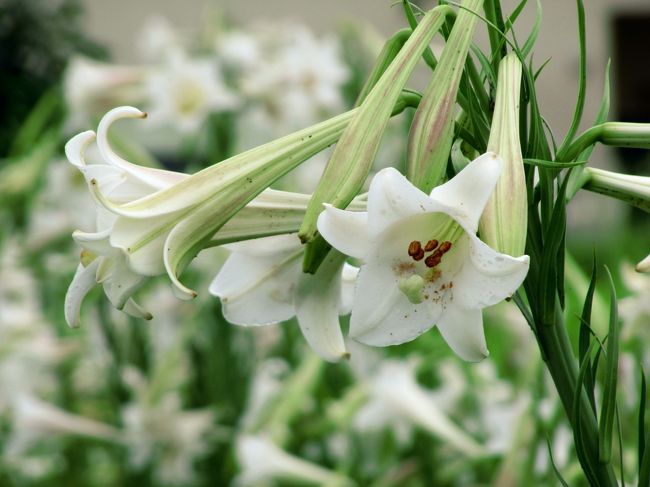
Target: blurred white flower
x=266, y=384
x=162, y=434
x=158, y=39
x=261, y=461
x=291, y=77
x=53, y=216
x=397, y=400
x=35, y=420
x=635, y=308
x=92, y=87
x=184, y=91
x=29, y=348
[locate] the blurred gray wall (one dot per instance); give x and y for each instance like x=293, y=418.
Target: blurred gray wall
x=116, y=23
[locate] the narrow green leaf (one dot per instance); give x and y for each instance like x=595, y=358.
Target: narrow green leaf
x=532, y=37
x=620, y=445
x=585, y=321
x=555, y=233
x=608, y=406
x=582, y=85
x=493, y=14
x=541, y=68
x=555, y=469
x=641, y=423
x=486, y=67
x=577, y=180
x=552, y=164
x=582, y=448
x=512, y=18
x=39, y=119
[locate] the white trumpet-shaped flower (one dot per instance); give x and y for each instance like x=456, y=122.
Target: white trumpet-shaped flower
x=262, y=283
x=151, y=220
x=261, y=461
x=423, y=263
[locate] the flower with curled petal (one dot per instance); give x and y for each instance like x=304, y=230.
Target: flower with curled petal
x=150, y=219
x=262, y=283
x=423, y=263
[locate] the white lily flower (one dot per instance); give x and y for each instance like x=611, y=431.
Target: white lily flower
x=423, y=263
x=261, y=460
x=644, y=265
x=144, y=213
x=262, y=283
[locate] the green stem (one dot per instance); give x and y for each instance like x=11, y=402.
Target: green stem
x=560, y=361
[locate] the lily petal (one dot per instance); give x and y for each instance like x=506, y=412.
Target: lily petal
x=134, y=309
x=158, y=178
x=347, y=231
x=122, y=283
x=76, y=147
x=382, y=315
x=392, y=197
x=462, y=329
x=316, y=303
x=82, y=282
x=468, y=192
x=258, y=290
x=488, y=276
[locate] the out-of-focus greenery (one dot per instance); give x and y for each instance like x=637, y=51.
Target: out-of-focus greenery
x=37, y=38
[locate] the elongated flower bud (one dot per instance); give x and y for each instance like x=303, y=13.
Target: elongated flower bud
x=504, y=220
x=352, y=159
x=432, y=131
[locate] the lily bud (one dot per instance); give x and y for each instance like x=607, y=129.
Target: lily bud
x=352, y=159
x=432, y=131
x=504, y=221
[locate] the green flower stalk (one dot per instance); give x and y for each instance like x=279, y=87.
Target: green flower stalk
x=352, y=159
x=504, y=221
x=616, y=134
x=633, y=190
x=432, y=131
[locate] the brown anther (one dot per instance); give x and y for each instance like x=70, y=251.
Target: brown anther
x=414, y=248
x=434, y=259
x=445, y=246
x=431, y=245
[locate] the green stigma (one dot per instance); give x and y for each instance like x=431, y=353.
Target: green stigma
x=412, y=288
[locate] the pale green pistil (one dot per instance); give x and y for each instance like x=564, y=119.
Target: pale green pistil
x=412, y=288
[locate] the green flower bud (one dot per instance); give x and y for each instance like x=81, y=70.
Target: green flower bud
x=432, y=131
x=352, y=159
x=504, y=220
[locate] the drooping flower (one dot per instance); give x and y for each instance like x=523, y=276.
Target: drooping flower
x=262, y=283
x=151, y=220
x=424, y=266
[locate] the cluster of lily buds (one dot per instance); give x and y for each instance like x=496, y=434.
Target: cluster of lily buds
x=422, y=264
